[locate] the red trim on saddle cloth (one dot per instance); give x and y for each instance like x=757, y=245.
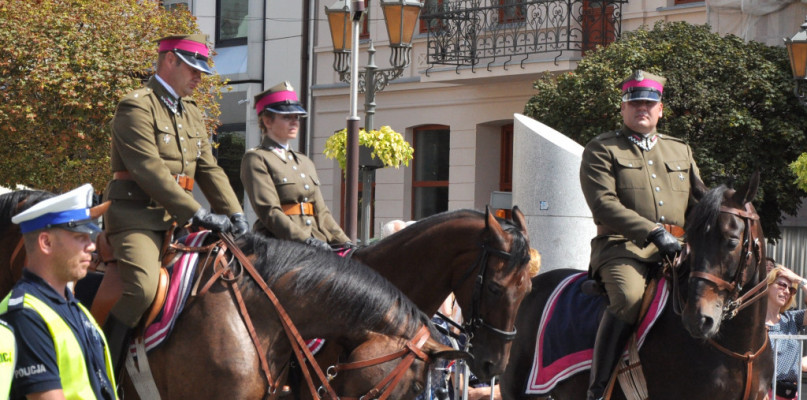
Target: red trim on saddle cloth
x=543, y=378
x=179, y=287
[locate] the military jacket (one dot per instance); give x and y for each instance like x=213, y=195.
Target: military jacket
x=273, y=177
x=153, y=138
x=630, y=190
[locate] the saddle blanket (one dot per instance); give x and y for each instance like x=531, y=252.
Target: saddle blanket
x=179, y=287
x=567, y=329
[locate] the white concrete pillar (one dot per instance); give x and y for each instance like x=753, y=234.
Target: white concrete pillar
x=546, y=187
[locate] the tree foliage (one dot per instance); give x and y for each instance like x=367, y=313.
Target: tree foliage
x=64, y=65
x=732, y=101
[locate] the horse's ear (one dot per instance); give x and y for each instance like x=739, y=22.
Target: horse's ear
x=492, y=225
x=520, y=221
x=699, y=188
x=100, y=209
x=747, y=192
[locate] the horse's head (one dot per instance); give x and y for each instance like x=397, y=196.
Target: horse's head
x=500, y=283
x=395, y=378
x=726, y=249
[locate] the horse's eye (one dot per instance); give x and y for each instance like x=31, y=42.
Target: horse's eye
x=732, y=243
x=495, y=289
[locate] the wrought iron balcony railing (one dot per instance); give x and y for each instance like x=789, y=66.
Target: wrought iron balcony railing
x=465, y=32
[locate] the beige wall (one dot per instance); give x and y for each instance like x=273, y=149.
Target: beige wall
x=473, y=102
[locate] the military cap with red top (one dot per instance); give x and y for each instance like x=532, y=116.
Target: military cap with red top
x=192, y=49
x=641, y=85
x=279, y=99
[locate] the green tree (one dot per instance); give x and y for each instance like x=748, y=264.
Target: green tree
x=732, y=101
x=64, y=65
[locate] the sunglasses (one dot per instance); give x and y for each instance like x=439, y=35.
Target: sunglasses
x=785, y=286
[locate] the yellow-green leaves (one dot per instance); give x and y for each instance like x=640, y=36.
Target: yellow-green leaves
x=386, y=144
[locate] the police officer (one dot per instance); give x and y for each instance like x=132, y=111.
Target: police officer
x=8, y=358
x=636, y=182
x=62, y=351
x=160, y=151
x=281, y=183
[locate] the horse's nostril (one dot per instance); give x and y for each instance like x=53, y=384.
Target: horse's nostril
x=707, y=323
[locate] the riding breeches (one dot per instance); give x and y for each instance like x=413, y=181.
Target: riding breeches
x=624, y=281
x=138, y=256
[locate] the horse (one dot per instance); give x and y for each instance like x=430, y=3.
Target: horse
x=212, y=354
x=11, y=247
x=718, y=347
x=482, y=260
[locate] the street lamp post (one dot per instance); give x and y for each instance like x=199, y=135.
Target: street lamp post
x=797, y=52
x=400, y=17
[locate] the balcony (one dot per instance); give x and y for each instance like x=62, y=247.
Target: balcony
x=475, y=32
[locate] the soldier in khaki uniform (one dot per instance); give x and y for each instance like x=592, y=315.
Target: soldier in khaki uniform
x=637, y=185
x=281, y=183
x=160, y=151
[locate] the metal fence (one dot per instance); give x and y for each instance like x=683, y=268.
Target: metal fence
x=775, y=342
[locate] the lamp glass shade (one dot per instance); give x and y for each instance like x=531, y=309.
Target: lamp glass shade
x=797, y=51
x=339, y=23
x=401, y=17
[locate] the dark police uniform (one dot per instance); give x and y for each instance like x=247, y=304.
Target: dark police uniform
x=274, y=178
x=37, y=366
x=629, y=191
x=157, y=141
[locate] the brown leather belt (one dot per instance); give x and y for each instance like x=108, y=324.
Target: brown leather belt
x=184, y=181
x=298, y=209
x=675, y=230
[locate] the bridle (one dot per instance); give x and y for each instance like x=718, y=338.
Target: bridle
x=477, y=321
x=228, y=271
x=752, y=247
x=752, y=251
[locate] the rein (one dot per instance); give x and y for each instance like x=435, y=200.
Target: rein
x=477, y=320
x=301, y=351
x=736, y=302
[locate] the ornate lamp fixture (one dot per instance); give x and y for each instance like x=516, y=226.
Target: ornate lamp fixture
x=797, y=51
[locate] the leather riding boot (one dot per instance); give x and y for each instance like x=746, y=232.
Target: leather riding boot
x=118, y=335
x=612, y=336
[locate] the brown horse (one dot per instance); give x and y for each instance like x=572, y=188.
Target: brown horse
x=718, y=347
x=210, y=353
x=482, y=260
x=12, y=254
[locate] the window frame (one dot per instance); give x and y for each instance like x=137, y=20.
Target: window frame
x=241, y=41
x=424, y=184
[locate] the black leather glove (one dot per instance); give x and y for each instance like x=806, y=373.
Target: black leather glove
x=240, y=225
x=666, y=243
x=312, y=241
x=215, y=222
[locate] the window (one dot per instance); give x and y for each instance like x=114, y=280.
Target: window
x=171, y=5
x=512, y=11
x=598, y=24
x=231, y=22
x=506, y=159
x=430, y=171
x=365, y=30
x=431, y=7
x=229, y=147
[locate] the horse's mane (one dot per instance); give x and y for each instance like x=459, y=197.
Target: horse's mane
x=10, y=200
x=349, y=291
x=704, y=215
x=520, y=250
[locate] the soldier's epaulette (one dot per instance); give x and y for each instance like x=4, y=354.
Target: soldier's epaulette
x=607, y=135
x=668, y=137
x=139, y=93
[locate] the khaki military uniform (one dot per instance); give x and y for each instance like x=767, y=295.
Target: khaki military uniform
x=155, y=138
x=630, y=190
x=274, y=177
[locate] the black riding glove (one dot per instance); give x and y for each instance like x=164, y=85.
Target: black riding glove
x=215, y=222
x=240, y=225
x=666, y=243
x=319, y=244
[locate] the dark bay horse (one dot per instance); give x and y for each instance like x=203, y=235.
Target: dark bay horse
x=481, y=259
x=211, y=355
x=717, y=348
x=12, y=254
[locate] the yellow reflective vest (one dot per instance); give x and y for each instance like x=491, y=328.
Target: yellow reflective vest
x=8, y=358
x=69, y=356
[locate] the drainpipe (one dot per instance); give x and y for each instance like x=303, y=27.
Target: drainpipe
x=309, y=10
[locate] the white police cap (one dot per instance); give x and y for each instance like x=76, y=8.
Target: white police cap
x=70, y=211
